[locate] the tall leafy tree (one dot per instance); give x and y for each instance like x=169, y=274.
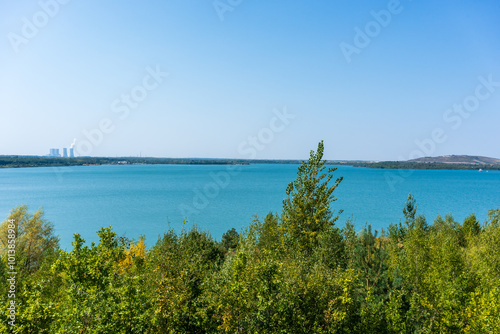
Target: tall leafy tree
x=307, y=209
x=35, y=289
x=35, y=238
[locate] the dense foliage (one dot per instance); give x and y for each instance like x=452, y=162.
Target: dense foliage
x=288, y=272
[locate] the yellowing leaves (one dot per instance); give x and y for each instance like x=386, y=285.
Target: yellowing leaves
x=136, y=251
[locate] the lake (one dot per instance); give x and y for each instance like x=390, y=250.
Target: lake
x=148, y=199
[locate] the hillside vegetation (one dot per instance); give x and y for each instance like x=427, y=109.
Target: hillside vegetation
x=459, y=159
x=466, y=162
x=293, y=271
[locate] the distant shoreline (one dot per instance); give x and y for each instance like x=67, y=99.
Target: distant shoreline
x=36, y=161
x=425, y=165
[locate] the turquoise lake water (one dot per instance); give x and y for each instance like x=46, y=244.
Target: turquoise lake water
x=148, y=199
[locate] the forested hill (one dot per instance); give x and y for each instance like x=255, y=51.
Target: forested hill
x=459, y=159
x=441, y=162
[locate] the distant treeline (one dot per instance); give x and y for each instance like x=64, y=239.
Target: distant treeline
x=36, y=161
x=33, y=161
x=292, y=271
x=422, y=165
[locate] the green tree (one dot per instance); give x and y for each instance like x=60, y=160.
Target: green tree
x=182, y=266
x=104, y=292
x=371, y=260
x=307, y=209
x=34, y=240
x=471, y=226
x=35, y=289
x=230, y=240
x=269, y=232
x=410, y=210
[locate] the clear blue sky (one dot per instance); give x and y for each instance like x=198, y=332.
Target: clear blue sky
x=227, y=78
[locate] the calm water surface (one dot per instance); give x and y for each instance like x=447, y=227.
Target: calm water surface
x=148, y=199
